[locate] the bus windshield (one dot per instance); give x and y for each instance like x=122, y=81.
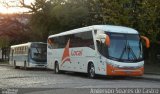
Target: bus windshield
x=38, y=53
x=125, y=47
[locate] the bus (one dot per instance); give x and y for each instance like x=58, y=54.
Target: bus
x=28, y=55
x=98, y=49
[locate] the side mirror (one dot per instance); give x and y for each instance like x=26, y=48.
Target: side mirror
x=104, y=38
x=107, y=40
x=49, y=41
x=146, y=41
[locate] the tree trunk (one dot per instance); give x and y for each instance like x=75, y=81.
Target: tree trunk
x=2, y=54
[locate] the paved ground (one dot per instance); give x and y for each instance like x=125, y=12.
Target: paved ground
x=46, y=80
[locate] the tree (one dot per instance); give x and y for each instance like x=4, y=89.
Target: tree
x=4, y=42
x=149, y=20
x=54, y=16
x=12, y=31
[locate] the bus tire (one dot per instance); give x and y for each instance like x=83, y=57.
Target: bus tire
x=25, y=65
x=56, y=69
x=15, y=66
x=91, y=70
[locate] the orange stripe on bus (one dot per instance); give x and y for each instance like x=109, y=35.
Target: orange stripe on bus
x=113, y=71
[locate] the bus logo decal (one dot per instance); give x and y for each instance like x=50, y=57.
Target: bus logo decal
x=66, y=56
x=76, y=53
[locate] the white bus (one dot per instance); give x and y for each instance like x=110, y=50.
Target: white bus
x=29, y=55
x=99, y=49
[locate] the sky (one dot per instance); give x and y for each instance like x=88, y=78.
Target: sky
x=9, y=10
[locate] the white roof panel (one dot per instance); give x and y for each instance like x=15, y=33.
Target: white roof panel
x=106, y=28
x=25, y=44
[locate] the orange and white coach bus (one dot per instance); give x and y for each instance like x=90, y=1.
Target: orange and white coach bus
x=98, y=49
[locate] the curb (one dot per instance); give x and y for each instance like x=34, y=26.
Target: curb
x=153, y=79
x=152, y=73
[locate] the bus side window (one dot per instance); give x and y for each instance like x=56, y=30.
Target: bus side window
x=99, y=47
x=84, y=39
x=54, y=43
x=15, y=50
x=11, y=54
x=102, y=48
x=29, y=52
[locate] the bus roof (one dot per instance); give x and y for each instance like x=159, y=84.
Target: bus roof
x=25, y=44
x=106, y=28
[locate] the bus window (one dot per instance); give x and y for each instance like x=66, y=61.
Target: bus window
x=102, y=48
x=84, y=39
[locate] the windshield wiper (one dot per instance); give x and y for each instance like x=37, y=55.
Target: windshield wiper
x=128, y=50
x=124, y=50
x=37, y=50
x=140, y=49
x=131, y=50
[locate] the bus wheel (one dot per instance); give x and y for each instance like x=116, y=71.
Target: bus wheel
x=56, y=69
x=91, y=71
x=25, y=66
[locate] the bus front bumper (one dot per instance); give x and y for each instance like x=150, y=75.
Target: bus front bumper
x=38, y=65
x=114, y=71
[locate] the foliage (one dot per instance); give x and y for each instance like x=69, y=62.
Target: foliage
x=13, y=29
x=149, y=19
x=4, y=41
x=55, y=16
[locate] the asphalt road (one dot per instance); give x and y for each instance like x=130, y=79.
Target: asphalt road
x=41, y=81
